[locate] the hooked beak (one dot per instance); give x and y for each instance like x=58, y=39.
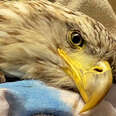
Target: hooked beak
x=93, y=83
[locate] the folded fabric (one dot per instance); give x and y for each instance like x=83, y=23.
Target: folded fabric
x=29, y=97
x=34, y=98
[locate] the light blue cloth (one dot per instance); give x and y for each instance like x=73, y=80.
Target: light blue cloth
x=31, y=97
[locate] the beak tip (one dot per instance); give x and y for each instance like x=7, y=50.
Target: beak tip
x=84, y=109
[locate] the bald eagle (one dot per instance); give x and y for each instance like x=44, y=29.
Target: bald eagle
x=65, y=49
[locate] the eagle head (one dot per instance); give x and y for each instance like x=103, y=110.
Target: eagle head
x=66, y=49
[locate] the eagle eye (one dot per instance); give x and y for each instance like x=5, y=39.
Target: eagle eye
x=75, y=39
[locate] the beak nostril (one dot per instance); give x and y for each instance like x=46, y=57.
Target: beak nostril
x=98, y=69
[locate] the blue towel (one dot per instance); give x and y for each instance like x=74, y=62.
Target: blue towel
x=30, y=97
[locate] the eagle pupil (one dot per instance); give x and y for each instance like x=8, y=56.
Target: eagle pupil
x=77, y=39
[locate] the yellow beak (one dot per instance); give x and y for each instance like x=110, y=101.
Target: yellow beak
x=93, y=83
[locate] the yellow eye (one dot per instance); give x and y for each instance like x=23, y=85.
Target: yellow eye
x=75, y=39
